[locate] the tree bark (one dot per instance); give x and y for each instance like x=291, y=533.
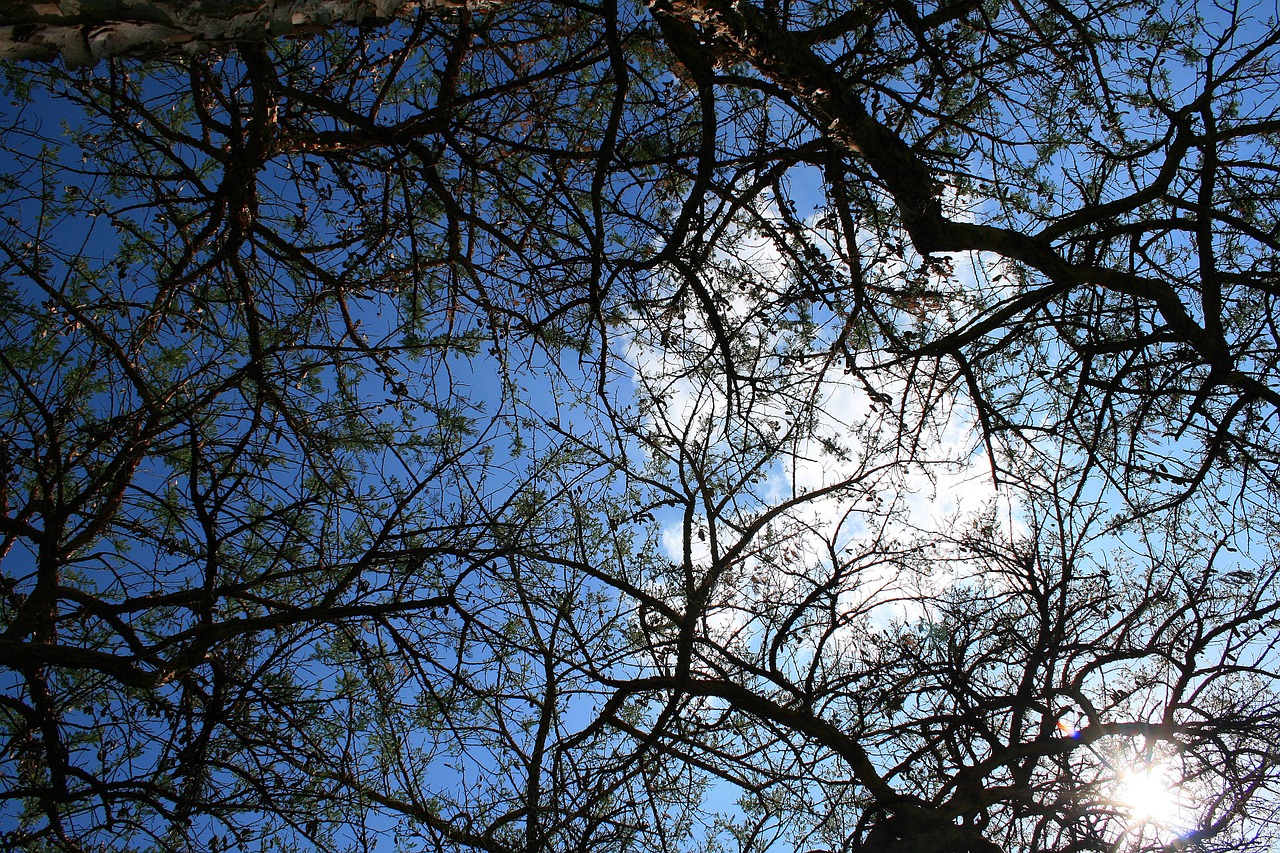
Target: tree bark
x=85, y=31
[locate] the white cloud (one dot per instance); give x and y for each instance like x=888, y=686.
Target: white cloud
x=907, y=476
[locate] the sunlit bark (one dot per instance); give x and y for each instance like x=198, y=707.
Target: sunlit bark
x=83, y=33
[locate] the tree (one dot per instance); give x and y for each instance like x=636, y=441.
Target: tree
x=705, y=425
x=82, y=36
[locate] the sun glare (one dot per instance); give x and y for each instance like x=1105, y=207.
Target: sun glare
x=1147, y=795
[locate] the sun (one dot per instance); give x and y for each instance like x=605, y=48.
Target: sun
x=1147, y=795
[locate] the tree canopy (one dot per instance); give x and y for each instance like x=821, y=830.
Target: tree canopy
x=701, y=425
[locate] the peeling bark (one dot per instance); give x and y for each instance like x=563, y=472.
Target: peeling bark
x=85, y=31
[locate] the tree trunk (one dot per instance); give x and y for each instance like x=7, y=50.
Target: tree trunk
x=84, y=31
x=921, y=834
